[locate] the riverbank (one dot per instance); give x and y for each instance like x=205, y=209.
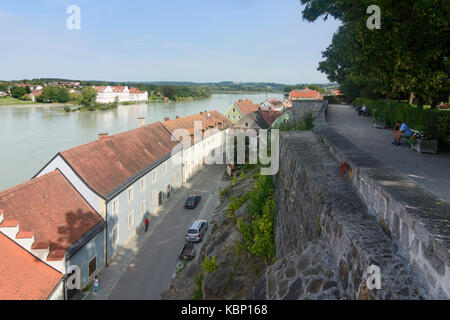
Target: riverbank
x=30, y=104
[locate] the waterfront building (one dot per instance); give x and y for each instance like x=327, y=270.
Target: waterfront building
x=211, y=135
x=124, y=177
x=49, y=218
x=107, y=94
x=305, y=94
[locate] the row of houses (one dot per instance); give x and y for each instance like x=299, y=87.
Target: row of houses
x=86, y=202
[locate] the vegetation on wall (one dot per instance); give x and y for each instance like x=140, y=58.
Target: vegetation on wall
x=259, y=233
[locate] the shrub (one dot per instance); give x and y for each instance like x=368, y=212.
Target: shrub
x=209, y=265
x=433, y=123
x=198, y=280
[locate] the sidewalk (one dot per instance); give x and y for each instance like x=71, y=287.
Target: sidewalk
x=128, y=260
x=431, y=171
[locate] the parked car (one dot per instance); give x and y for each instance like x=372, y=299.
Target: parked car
x=192, y=202
x=188, y=251
x=196, y=231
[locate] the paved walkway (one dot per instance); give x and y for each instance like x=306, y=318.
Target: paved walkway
x=144, y=266
x=430, y=171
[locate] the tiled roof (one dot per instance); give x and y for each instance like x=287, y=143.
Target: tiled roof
x=49, y=208
x=309, y=94
x=271, y=115
x=134, y=90
x=22, y=276
x=253, y=120
x=208, y=118
x=276, y=102
x=105, y=164
x=247, y=106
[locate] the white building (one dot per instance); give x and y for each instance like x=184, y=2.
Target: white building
x=210, y=138
x=107, y=94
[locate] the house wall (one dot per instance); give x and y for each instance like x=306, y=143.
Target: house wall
x=126, y=207
x=58, y=292
x=234, y=116
x=94, y=248
x=285, y=117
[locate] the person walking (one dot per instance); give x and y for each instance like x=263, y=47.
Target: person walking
x=96, y=284
x=146, y=224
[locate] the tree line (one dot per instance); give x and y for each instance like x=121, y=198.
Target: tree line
x=406, y=58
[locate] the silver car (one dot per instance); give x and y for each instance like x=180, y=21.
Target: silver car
x=196, y=231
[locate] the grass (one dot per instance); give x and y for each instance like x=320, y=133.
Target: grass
x=6, y=101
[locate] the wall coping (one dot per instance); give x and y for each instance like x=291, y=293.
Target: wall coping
x=426, y=216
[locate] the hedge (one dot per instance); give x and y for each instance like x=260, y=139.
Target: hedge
x=433, y=123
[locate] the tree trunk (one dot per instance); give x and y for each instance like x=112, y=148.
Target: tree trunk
x=411, y=98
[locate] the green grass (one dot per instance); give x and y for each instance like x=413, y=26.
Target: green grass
x=6, y=101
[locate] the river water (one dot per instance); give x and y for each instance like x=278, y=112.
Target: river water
x=31, y=135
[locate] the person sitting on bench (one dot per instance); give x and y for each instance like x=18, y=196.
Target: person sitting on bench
x=363, y=110
x=401, y=130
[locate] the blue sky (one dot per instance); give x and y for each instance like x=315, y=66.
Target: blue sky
x=170, y=40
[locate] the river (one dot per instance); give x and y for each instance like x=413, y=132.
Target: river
x=31, y=135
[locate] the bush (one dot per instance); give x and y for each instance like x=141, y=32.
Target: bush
x=433, y=123
x=259, y=234
x=209, y=265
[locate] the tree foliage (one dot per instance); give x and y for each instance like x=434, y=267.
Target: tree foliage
x=408, y=54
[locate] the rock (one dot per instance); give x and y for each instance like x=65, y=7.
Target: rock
x=315, y=286
x=295, y=291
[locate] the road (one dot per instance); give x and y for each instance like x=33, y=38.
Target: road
x=150, y=270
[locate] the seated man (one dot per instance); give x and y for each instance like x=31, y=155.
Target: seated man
x=401, y=129
x=363, y=110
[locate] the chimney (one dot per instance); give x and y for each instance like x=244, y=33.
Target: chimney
x=177, y=117
x=102, y=136
x=166, y=119
x=141, y=122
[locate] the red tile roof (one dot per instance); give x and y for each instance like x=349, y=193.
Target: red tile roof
x=247, y=106
x=22, y=276
x=134, y=90
x=207, y=118
x=105, y=164
x=270, y=115
x=49, y=208
x=309, y=94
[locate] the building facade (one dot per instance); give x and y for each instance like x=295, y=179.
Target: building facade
x=239, y=109
x=108, y=94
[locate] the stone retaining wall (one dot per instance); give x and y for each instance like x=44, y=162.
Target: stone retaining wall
x=325, y=237
x=416, y=221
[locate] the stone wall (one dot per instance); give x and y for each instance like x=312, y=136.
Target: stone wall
x=303, y=107
x=416, y=222
x=325, y=236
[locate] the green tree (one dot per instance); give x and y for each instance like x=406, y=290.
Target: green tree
x=88, y=97
x=63, y=95
x=18, y=92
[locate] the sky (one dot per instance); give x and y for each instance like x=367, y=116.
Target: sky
x=163, y=40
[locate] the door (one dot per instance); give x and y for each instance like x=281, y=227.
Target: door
x=160, y=195
x=168, y=191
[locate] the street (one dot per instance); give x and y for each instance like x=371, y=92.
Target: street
x=143, y=268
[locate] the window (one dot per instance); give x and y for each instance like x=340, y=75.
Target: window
x=154, y=176
x=234, y=110
x=115, y=235
x=143, y=184
x=130, y=220
x=143, y=207
x=165, y=167
x=174, y=179
x=246, y=124
x=92, y=266
x=154, y=196
x=115, y=206
x=233, y=117
x=130, y=194
x=228, y=116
